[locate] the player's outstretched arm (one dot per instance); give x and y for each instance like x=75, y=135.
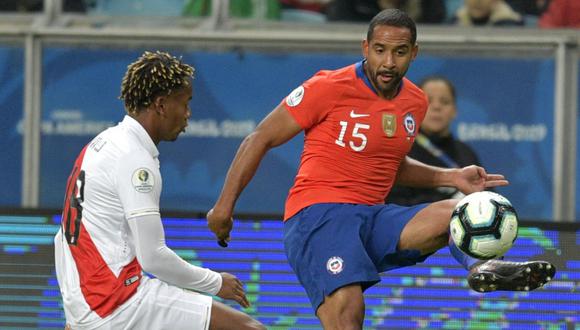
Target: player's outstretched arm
x=277, y=128
x=414, y=173
x=156, y=258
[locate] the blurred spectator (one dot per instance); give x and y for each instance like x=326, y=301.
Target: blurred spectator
x=74, y=6
x=269, y=9
x=304, y=10
x=561, y=14
x=35, y=6
x=432, y=12
x=530, y=9
x=435, y=145
x=22, y=6
x=487, y=12
x=451, y=7
x=422, y=11
x=197, y=8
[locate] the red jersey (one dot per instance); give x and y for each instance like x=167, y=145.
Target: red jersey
x=354, y=140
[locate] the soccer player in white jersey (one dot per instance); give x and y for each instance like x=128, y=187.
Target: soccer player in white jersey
x=111, y=226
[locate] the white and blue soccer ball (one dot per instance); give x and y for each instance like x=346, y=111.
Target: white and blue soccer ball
x=484, y=225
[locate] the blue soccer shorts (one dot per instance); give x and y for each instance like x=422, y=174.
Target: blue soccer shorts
x=332, y=245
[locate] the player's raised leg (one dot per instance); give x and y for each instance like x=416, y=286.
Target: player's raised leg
x=428, y=231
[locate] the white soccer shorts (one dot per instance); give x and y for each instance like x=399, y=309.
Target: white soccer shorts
x=159, y=306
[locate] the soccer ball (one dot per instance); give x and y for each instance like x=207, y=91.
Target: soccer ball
x=484, y=225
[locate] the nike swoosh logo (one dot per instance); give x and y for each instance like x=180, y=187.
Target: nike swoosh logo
x=358, y=115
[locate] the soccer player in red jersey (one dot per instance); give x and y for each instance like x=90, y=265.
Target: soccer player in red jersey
x=360, y=122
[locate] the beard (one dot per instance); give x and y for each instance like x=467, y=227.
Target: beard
x=388, y=88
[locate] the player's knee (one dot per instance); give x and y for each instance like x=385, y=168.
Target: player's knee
x=352, y=321
x=256, y=326
x=448, y=205
x=443, y=214
x=344, y=322
x=344, y=317
x=251, y=324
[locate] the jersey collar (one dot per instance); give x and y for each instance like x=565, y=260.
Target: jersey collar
x=134, y=127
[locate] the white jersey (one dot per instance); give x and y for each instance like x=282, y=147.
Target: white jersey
x=115, y=177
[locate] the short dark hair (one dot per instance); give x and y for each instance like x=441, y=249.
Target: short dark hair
x=442, y=79
x=153, y=74
x=393, y=17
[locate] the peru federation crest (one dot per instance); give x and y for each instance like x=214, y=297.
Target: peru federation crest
x=410, y=125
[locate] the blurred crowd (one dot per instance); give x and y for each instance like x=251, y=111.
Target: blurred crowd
x=529, y=13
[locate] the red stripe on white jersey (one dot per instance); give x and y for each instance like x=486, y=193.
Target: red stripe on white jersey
x=102, y=290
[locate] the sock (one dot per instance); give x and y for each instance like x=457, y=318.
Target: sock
x=461, y=257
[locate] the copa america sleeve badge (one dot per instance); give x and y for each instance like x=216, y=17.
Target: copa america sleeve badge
x=295, y=97
x=143, y=181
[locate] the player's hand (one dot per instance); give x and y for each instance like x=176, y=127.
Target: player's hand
x=474, y=178
x=233, y=289
x=220, y=223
